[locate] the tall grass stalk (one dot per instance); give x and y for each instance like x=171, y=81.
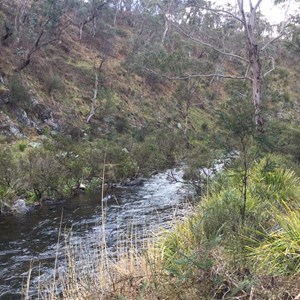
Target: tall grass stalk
x=53, y=291
x=103, y=211
x=28, y=282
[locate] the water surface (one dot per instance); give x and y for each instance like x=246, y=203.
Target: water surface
x=32, y=239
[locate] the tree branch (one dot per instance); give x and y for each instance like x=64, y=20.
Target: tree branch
x=217, y=10
x=281, y=33
x=206, y=44
x=257, y=5
x=185, y=77
x=273, y=67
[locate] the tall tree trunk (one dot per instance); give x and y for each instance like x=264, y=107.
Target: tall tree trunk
x=256, y=84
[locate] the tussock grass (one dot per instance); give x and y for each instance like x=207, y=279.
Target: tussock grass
x=210, y=254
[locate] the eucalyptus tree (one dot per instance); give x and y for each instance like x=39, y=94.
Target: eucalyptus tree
x=86, y=12
x=235, y=35
x=38, y=24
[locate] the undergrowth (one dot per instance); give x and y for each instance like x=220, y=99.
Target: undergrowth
x=212, y=254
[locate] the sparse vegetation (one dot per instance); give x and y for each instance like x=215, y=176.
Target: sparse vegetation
x=183, y=82
x=19, y=95
x=211, y=254
x=54, y=83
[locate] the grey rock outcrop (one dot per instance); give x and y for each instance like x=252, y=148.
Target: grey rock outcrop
x=20, y=207
x=8, y=127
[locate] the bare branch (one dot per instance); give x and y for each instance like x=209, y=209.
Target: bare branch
x=281, y=33
x=257, y=5
x=206, y=44
x=189, y=76
x=247, y=70
x=94, y=107
x=273, y=67
x=245, y=24
x=217, y=10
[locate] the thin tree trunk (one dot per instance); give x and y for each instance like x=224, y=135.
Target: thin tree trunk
x=96, y=90
x=245, y=182
x=165, y=32
x=94, y=26
x=116, y=13
x=256, y=84
x=80, y=30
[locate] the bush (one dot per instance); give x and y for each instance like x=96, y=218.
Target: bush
x=279, y=251
x=8, y=170
x=54, y=83
x=42, y=173
x=19, y=95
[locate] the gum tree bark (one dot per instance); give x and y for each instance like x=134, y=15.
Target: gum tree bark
x=254, y=58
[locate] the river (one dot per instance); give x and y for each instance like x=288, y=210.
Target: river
x=32, y=238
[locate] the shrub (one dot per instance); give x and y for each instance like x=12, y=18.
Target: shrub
x=19, y=95
x=54, y=83
x=7, y=171
x=43, y=173
x=279, y=251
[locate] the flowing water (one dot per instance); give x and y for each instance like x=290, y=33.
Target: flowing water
x=32, y=238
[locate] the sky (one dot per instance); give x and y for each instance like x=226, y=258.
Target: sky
x=274, y=13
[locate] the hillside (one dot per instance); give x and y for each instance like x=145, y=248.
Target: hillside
x=99, y=92
x=117, y=86
x=60, y=82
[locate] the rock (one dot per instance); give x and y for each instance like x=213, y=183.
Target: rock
x=125, y=150
x=109, y=198
x=23, y=118
x=14, y=130
x=45, y=114
x=34, y=102
x=136, y=182
x=4, y=94
x=20, y=207
x=5, y=209
x=154, y=173
x=51, y=123
x=41, y=111
x=80, y=189
x=8, y=127
x=35, y=145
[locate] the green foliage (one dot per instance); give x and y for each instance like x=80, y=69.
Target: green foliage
x=274, y=184
x=267, y=240
x=53, y=83
x=157, y=151
x=43, y=173
x=19, y=95
x=22, y=146
x=7, y=171
x=121, y=124
x=279, y=251
x=222, y=213
x=236, y=125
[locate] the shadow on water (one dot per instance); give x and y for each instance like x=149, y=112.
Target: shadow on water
x=33, y=238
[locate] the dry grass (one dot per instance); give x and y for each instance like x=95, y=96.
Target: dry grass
x=139, y=271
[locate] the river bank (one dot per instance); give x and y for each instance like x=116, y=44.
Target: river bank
x=33, y=237
x=211, y=253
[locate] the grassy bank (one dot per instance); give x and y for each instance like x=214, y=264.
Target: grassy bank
x=217, y=252
x=54, y=168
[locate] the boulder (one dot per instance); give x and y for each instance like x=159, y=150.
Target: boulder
x=8, y=127
x=23, y=118
x=35, y=145
x=20, y=207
